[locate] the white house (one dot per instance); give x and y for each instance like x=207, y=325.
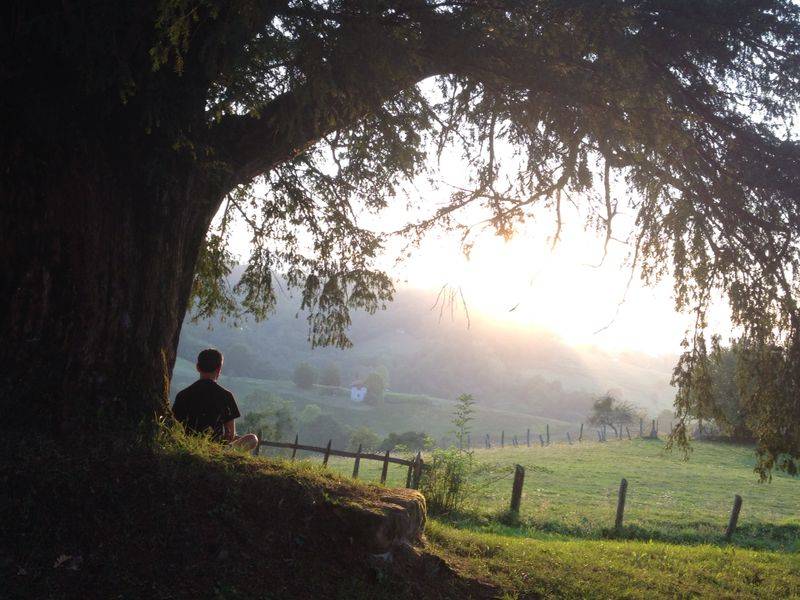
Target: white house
x=358, y=391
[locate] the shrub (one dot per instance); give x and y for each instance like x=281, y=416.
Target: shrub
x=364, y=437
x=304, y=376
x=445, y=482
x=412, y=441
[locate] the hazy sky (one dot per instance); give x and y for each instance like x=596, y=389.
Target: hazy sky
x=562, y=290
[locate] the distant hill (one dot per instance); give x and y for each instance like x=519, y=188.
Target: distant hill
x=503, y=367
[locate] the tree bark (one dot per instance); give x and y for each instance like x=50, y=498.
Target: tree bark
x=98, y=266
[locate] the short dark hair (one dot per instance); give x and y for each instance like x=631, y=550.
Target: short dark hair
x=209, y=360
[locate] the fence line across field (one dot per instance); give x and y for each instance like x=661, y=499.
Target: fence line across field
x=515, y=441
x=415, y=466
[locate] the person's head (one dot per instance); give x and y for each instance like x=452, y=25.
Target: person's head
x=209, y=363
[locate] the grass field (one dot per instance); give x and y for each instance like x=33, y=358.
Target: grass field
x=571, y=491
x=563, y=544
x=571, y=568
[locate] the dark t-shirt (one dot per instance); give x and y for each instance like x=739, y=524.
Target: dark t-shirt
x=205, y=405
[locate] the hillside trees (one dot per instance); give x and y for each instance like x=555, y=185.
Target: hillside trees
x=376, y=387
x=304, y=376
x=330, y=375
x=608, y=411
x=133, y=123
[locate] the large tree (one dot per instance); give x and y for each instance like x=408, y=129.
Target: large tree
x=128, y=125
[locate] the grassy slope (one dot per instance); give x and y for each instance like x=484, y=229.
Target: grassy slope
x=572, y=491
x=401, y=412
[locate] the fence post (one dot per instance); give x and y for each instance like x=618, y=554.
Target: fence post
x=528, y=437
x=547, y=432
x=357, y=463
x=417, y=470
x=623, y=490
x=737, y=506
x=488, y=442
x=385, y=467
x=580, y=435
x=294, y=448
x=257, y=449
x=516, y=491
x=327, y=454
x=502, y=439
x=569, y=439
x=541, y=440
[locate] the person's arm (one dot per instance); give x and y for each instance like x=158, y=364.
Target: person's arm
x=229, y=432
x=232, y=413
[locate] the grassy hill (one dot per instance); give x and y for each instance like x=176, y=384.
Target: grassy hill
x=400, y=412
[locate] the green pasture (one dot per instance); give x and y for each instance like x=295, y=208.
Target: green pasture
x=571, y=490
x=579, y=568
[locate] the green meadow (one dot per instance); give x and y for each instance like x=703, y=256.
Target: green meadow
x=563, y=545
x=571, y=491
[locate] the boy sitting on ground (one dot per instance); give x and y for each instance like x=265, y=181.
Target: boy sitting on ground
x=207, y=407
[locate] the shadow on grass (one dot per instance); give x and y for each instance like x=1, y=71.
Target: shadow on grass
x=757, y=536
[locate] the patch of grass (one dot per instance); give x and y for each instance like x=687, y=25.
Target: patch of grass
x=526, y=567
x=572, y=491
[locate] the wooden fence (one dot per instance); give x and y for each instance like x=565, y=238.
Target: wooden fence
x=519, y=480
x=415, y=466
x=622, y=432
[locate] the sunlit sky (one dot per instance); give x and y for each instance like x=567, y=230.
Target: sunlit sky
x=526, y=282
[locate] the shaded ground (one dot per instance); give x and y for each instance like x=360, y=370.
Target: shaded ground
x=185, y=520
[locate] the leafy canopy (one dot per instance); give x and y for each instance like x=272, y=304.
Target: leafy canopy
x=314, y=111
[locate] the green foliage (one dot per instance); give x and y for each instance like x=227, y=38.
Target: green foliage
x=414, y=441
x=330, y=375
x=608, y=411
x=305, y=376
x=364, y=437
x=309, y=413
x=445, y=481
x=275, y=417
x=376, y=386
x=323, y=428
x=462, y=418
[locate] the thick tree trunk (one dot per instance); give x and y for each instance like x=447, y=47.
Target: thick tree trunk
x=97, y=269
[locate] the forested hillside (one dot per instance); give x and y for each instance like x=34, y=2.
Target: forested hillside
x=441, y=355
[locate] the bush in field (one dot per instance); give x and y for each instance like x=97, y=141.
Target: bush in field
x=324, y=428
x=330, y=376
x=364, y=437
x=445, y=482
x=304, y=376
x=413, y=441
x=376, y=386
x=462, y=417
x=309, y=413
x=274, y=418
x=609, y=411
